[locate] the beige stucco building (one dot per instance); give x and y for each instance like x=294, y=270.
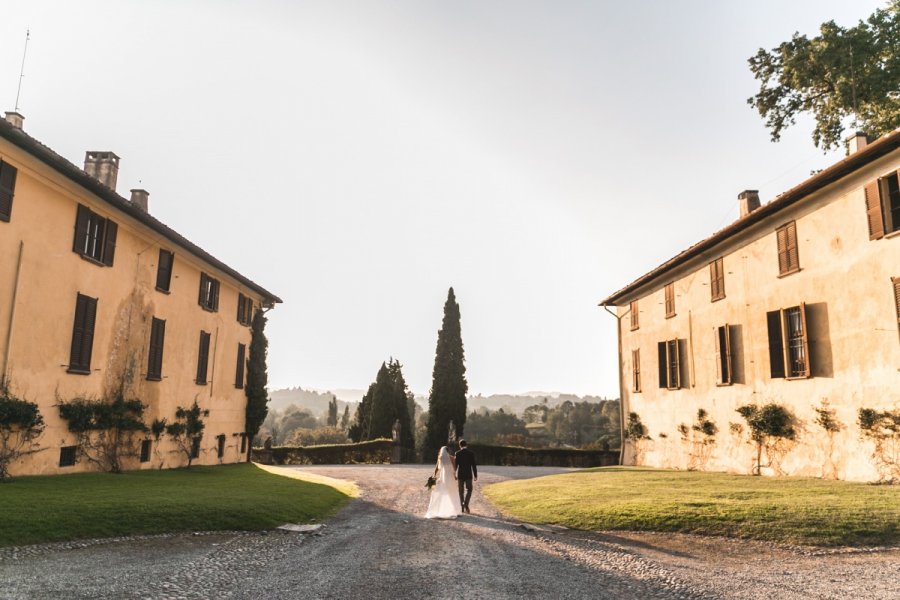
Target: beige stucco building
x=797, y=303
x=96, y=295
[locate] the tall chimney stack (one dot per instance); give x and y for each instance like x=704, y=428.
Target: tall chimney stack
x=15, y=119
x=103, y=166
x=141, y=199
x=856, y=142
x=749, y=200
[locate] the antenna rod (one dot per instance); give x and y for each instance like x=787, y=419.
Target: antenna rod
x=22, y=71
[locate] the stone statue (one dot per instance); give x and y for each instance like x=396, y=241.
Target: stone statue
x=395, y=432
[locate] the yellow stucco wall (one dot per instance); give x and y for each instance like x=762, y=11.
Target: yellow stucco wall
x=845, y=281
x=51, y=275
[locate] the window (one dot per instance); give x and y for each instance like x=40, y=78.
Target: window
x=788, y=257
x=67, y=456
x=245, y=310
x=636, y=370
x=239, y=371
x=669, y=364
x=670, y=300
x=209, y=292
x=883, y=205
x=95, y=236
x=164, y=270
x=83, y=335
x=788, y=343
x=155, y=355
x=145, y=450
x=717, y=279
x=195, y=447
x=203, y=358
x=243, y=443
x=220, y=445
x=724, y=372
x=7, y=190
x=896, y=282
x=635, y=323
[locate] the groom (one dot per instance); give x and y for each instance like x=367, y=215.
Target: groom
x=466, y=472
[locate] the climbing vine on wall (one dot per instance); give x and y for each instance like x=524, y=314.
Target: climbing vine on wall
x=21, y=424
x=883, y=428
x=106, y=429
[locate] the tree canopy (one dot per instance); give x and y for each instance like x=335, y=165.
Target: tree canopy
x=257, y=377
x=384, y=404
x=844, y=77
x=447, y=400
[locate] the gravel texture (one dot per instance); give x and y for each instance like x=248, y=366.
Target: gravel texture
x=379, y=546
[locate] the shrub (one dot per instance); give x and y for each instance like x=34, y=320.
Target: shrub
x=883, y=428
x=105, y=428
x=21, y=424
x=769, y=427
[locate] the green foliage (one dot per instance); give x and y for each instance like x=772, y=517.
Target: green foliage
x=840, y=73
x=187, y=426
x=332, y=419
x=317, y=437
x=345, y=419
x=157, y=428
x=825, y=418
x=105, y=428
x=385, y=403
x=369, y=452
x=704, y=426
x=486, y=426
x=21, y=423
x=449, y=388
x=883, y=428
x=769, y=427
x=635, y=429
x=257, y=376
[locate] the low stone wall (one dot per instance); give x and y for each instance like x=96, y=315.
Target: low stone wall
x=373, y=452
x=543, y=457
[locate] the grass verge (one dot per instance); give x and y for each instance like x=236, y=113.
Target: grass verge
x=791, y=510
x=90, y=505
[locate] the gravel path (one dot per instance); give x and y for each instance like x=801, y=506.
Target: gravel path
x=381, y=547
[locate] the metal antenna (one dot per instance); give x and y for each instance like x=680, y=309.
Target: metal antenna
x=22, y=71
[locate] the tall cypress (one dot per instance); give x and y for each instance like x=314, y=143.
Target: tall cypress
x=382, y=406
x=257, y=378
x=447, y=399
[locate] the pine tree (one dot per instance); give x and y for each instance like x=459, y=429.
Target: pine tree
x=447, y=399
x=332, y=420
x=257, y=378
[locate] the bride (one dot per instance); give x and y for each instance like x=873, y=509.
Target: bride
x=444, y=503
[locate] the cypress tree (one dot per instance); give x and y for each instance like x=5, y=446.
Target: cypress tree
x=257, y=378
x=399, y=400
x=332, y=420
x=345, y=420
x=447, y=399
x=383, y=405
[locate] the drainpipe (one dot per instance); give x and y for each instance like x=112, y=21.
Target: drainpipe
x=621, y=384
x=12, y=315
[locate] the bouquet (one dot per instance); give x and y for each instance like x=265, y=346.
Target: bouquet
x=430, y=483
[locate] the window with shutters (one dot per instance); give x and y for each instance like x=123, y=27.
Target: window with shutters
x=635, y=321
x=883, y=205
x=209, y=292
x=145, y=450
x=203, y=358
x=636, y=370
x=896, y=282
x=670, y=300
x=245, y=310
x=239, y=370
x=788, y=343
x=788, y=255
x=155, y=354
x=7, y=190
x=724, y=372
x=717, y=279
x=243, y=443
x=195, y=447
x=83, y=335
x=164, y=270
x=669, y=356
x=220, y=445
x=67, y=456
x=95, y=236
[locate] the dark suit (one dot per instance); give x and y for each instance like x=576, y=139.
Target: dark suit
x=466, y=469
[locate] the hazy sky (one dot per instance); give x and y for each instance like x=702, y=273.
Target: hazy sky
x=359, y=158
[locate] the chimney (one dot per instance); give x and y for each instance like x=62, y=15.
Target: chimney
x=141, y=199
x=103, y=166
x=856, y=142
x=15, y=119
x=749, y=200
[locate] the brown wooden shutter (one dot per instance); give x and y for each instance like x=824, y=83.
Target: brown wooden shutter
x=670, y=300
x=164, y=270
x=635, y=318
x=81, y=228
x=676, y=347
x=717, y=279
x=203, y=357
x=874, y=213
x=155, y=355
x=240, y=308
x=7, y=190
x=776, y=344
x=717, y=332
x=792, y=249
x=663, y=365
x=636, y=370
x=806, y=358
x=204, y=290
x=83, y=334
x=728, y=362
x=896, y=282
x=215, y=293
x=109, y=243
x=239, y=370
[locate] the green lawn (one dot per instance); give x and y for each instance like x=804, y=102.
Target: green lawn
x=87, y=505
x=793, y=510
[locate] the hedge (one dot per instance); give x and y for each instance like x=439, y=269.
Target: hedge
x=372, y=452
x=543, y=457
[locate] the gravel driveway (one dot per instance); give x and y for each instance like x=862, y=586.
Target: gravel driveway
x=379, y=546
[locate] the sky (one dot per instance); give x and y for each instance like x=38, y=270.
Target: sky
x=359, y=158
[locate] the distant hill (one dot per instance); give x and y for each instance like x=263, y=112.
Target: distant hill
x=316, y=401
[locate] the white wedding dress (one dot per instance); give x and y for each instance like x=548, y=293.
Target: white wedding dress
x=444, y=502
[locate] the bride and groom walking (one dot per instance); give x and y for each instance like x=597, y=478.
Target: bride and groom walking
x=453, y=477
